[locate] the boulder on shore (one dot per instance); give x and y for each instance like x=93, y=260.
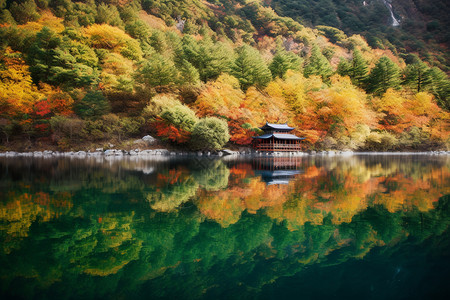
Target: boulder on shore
x=149, y=140
x=229, y=152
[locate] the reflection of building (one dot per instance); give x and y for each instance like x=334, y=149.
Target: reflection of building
x=277, y=170
x=277, y=138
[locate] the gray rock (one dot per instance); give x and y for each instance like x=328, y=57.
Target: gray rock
x=146, y=152
x=149, y=140
x=228, y=152
x=109, y=152
x=80, y=153
x=161, y=152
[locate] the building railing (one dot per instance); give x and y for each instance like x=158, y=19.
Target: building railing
x=277, y=147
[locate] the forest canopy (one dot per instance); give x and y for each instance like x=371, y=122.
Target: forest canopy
x=77, y=72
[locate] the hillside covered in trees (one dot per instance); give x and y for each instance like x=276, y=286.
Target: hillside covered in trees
x=198, y=74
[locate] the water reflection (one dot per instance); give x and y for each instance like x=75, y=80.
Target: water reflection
x=277, y=170
x=210, y=228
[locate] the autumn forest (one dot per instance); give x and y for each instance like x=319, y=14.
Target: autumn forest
x=205, y=74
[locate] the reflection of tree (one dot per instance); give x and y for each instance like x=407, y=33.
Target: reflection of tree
x=114, y=246
x=18, y=211
x=213, y=176
x=99, y=242
x=172, y=189
x=226, y=206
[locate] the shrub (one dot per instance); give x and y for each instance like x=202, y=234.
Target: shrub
x=210, y=134
x=64, y=127
x=381, y=141
x=180, y=116
x=158, y=104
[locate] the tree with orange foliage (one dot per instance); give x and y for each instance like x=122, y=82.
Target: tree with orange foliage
x=224, y=99
x=17, y=92
x=393, y=113
x=176, y=123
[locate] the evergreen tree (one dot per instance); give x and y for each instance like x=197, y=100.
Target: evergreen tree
x=24, y=12
x=210, y=59
x=157, y=71
x=42, y=53
x=188, y=73
x=318, y=64
x=438, y=84
x=6, y=17
x=359, y=69
x=356, y=69
x=93, y=105
x=344, y=67
x=250, y=69
x=284, y=61
x=416, y=75
x=385, y=75
x=61, y=62
x=108, y=14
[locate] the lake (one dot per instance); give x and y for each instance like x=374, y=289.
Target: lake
x=314, y=227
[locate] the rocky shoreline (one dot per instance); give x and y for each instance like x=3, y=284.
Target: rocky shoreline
x=149, y=141
x=137, y=153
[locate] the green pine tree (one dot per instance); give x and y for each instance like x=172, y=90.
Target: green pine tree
x=356, y=69
x=62, y=62
x=318, y=64
x=385, y=75
x=24, y=12
x=188, y=73
x=344, y=67
x=157, y=71
x=250, y=69
x=93, y=105
x=283, y=61
x=359, y=69
x=209, y=58
x=416, y=75
x=438, y=84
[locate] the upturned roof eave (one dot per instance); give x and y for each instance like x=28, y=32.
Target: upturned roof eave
x=276, y=126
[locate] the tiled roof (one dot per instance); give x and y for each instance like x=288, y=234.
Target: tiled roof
x=280, y=136
x=277, y=126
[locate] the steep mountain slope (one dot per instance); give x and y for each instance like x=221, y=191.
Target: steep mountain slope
x=423, y=23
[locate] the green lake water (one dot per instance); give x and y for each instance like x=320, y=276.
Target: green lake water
x=359, y=227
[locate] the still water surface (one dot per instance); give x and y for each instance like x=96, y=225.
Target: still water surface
x=360, y=227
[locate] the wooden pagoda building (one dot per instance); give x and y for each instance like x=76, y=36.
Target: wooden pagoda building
x=276, y=138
